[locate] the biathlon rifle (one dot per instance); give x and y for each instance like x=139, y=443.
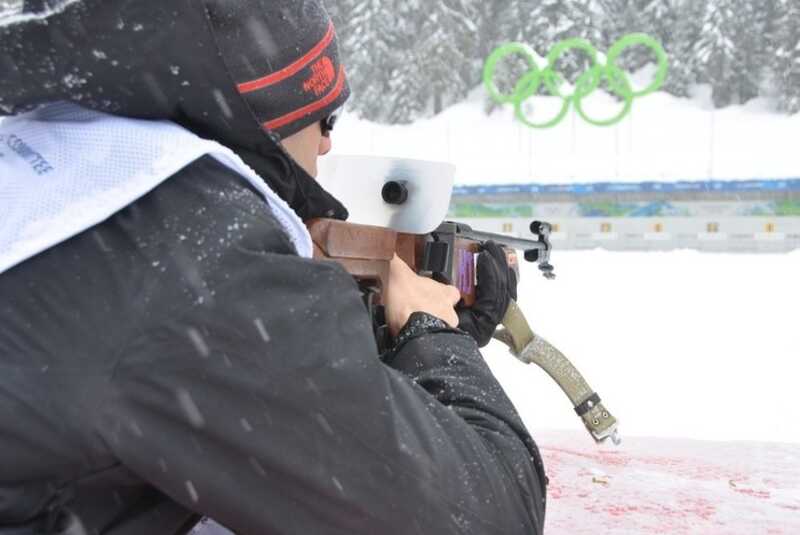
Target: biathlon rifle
x=448, y=254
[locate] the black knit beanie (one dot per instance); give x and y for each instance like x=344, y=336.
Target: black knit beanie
x=224, y=69
x=286, y=65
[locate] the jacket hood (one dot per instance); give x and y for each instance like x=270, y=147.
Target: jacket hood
x=149, y=60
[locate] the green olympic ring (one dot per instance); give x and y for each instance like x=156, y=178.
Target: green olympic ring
x=587, y=83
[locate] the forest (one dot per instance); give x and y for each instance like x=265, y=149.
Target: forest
x=409, y=59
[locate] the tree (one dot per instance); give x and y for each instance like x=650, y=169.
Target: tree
x=410, y=58
x=661, y=19
x=787, y=57
x=407, y=57
x=684, y=67
x=622, y=17
x=551, y=21
x=728, y=62
x=446, y=42
x=360, y=27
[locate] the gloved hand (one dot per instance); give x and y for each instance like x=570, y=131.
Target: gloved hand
x=497, y=285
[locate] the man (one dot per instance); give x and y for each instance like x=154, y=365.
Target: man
x=168, y=348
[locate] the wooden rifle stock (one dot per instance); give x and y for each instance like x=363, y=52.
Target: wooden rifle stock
x=448, y=254
x=365, y=252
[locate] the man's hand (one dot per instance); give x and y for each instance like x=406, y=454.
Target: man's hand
x=497, y=284
x=407, y=293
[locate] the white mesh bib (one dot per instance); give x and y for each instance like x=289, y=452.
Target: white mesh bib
x=64, y=169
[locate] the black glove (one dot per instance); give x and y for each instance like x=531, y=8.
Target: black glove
x=497, y=285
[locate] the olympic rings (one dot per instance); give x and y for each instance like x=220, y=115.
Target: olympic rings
x=586, y=84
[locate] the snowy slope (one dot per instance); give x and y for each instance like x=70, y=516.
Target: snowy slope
x=700, y=352
x=665, y=138
x=680, y=344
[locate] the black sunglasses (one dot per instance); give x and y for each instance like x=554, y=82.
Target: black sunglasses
x=327, y=124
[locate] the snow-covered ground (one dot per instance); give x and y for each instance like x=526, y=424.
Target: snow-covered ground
x=681, y=344
x=696, y=354
x=664, y=138
x=678, y=344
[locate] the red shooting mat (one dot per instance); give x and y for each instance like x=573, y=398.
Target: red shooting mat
x=674, y=486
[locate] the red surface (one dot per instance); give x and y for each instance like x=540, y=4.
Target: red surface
x=670, y=486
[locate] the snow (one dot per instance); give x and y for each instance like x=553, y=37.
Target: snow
x=678, y=344
x=664, y=138
x=684, y=346
x=14, y=14
x=696, y=354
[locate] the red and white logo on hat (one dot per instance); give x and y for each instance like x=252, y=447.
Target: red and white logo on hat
x=323, y=74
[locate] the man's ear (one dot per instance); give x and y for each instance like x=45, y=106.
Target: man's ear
x=325, y=145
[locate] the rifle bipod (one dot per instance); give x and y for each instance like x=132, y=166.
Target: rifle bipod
x=531, y=348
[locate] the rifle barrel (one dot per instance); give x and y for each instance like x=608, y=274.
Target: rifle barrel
x=521, y=244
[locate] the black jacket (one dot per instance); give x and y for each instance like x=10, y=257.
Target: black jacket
x=180, y=359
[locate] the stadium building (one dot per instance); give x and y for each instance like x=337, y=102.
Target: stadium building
x=721, y=216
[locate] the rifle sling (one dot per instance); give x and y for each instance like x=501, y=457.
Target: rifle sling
x=531, y=348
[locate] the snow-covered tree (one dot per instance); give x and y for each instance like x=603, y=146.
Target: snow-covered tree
x=787, y=60
x=551, y=21
x=361, y=25
x=656, y=18
x=541, y=24
x=622, y=17
x=683, y=63
x=661, y=19
x=411, y=58
x=751, y=47
x=503, y=23
x=768, y=18
x=407, y=57
x=722, y=52
x=445, y=45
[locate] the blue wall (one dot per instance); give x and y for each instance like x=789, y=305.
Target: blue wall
x=789, y=184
